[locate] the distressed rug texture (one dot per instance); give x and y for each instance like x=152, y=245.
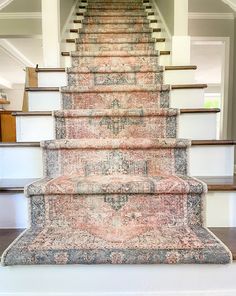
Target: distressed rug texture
x=116, y=188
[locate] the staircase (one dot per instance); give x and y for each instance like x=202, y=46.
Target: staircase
x=122, y=117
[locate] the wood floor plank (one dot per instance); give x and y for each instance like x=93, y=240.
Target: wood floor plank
x=7, y=236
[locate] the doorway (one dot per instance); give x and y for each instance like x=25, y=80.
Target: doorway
x=211, y=55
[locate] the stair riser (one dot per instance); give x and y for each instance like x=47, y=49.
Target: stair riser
x=44, y=101
x=118, y=13
x=20, y=162
x=118, y=9
x=117, y=6
x=125, y=100
x=179, y=77
x=114, y=211
x=192, y=126
x=52, y=79
x=116, y=27
x=47, y=79
x=115, y=38
x=111, y=20
x=134, y=280
x=87, y=162
x=113, y=47
x=13, y=210
x=116, y=127
x=187, y=98
x=133, y=61
x=220, y=209
x=95, y=79
x=165, y=60
x=48, y=101
x=212, y=161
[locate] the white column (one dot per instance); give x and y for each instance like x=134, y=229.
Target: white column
x=51, y=32
x=180, y=40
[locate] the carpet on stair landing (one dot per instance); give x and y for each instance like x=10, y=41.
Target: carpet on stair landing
x=116, y=188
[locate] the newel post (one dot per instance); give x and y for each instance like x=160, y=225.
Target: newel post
x=51, y=32
x=181, y=41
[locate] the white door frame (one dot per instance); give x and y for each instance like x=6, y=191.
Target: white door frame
x=225, y=41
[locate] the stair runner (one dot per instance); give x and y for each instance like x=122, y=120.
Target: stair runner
x=116, y=189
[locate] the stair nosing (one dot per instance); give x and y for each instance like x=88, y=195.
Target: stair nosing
x=194, y=143
x=212, y=186
x=166, y=68
x=173, y=87
x=182, y=111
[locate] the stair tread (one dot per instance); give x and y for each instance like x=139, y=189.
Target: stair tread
x=214, y=183
x=7, y=236
x=49, y=113
x=116, y=184
x=166, y=68
x=226, y=234
x=111, y=53
x=15, y=185
x=188, y=67
x=4, y=102
x=115, y=69
x=161, y=52
x=194, y=143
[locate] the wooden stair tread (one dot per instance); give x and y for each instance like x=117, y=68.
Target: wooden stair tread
x=7, y=236
x=194, y=143
x=173, y=68
x=173, y=86
x=220, y=183
x=19, y=144
x=226, y=234
x=42, y=88
x=182, y=111
x=50, y=69
x=167, y=68
x=4, y=102
x=189, y=86
x=213, y=142
x=15, y=185
x=162, y=52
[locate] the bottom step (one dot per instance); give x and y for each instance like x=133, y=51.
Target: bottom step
x=226, y=234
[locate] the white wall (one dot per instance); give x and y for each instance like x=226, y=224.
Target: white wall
x=15, y=96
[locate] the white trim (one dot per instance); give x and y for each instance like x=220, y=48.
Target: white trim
x=20, y=15
x=14, y=53
x=225, y=81
x=166, y=293
x=162, y=19
x=4, y=3
x=231, y=3
x=67, y=23
x=210, y=16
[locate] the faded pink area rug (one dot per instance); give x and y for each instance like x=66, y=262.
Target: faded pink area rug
x=116, y=188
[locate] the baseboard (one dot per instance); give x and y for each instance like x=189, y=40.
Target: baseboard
x=179, y=293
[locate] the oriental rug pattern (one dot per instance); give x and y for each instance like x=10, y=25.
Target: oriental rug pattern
x=116, y=188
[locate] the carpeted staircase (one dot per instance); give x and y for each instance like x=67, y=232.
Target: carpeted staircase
x=116, y=187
